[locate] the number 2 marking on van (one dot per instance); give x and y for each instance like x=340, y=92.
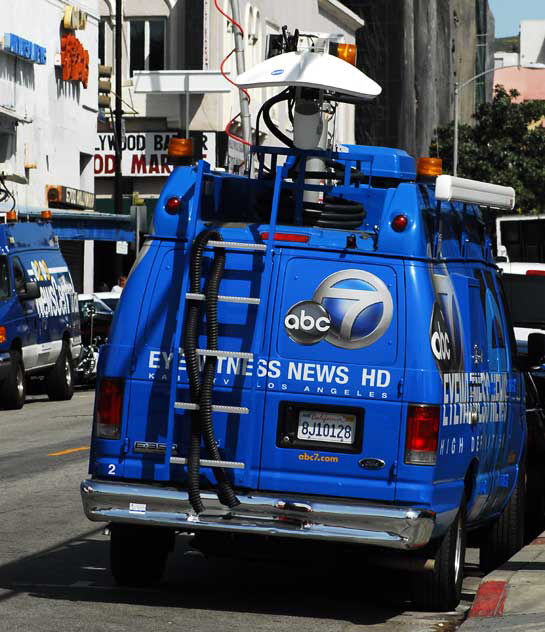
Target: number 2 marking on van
x=111, y=468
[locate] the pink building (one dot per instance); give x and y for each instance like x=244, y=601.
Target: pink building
x=529, y=82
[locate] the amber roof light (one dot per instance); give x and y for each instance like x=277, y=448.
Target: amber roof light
x=429, y=166
x=180, y=150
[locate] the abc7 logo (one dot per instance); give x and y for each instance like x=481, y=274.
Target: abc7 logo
x=440, y=344
x=307, y=322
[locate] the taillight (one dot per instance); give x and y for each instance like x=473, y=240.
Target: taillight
x=535, y=272
x=173, y=205
x=422, y=433
x=3, y=336
x=108, y=408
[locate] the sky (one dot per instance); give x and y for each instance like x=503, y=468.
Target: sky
x=509, y=13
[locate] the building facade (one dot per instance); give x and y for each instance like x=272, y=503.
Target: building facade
x=524, y=71
x=48, y=119
x=418, y=50
x=172, y=53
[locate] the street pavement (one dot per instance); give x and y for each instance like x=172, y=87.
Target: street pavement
x=54, y=574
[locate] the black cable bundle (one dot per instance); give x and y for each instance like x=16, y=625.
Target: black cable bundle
x=201, y=391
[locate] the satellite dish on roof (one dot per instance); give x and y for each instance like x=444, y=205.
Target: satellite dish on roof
x=307, y=69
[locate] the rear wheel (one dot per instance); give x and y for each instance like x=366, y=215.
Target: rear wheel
x=441, y=589
x=138, y=554
x=59, y=380
x=14, y=385
x=506, y=535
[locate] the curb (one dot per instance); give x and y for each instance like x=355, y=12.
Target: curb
x=489, y=600
x=492, y=595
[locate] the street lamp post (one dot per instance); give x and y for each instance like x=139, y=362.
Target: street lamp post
x=459, y=86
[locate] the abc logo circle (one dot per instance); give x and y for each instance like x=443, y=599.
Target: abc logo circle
x=440, y=344
x=307, y=322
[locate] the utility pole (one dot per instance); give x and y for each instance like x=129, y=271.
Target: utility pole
x=118, y=131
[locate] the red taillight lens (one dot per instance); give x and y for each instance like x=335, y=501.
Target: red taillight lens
x=301, y=239
x=535, y=272
x=173, y=204
x=108, y=409
x=422, y=433
x=399, y=223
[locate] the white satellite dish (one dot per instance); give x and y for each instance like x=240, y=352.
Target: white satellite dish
x=308, y=69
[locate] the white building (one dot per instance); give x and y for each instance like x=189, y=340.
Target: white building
x=47, y=123
x=162, y=41
x=532, y=42
x=531, y=46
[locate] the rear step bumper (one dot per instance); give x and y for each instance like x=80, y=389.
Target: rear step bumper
x=289, y=515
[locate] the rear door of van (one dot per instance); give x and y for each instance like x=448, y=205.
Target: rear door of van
x=333, y=377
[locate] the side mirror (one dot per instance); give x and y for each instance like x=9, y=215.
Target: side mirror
x=536, y=349
x=31, y=291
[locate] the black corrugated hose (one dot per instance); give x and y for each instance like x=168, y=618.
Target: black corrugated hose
x=201, y=392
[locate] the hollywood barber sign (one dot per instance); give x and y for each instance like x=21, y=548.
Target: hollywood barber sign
x=144, y=154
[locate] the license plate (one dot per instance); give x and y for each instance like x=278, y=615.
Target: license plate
x=315, y=425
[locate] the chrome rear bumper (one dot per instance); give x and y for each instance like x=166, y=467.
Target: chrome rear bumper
x=289, y=515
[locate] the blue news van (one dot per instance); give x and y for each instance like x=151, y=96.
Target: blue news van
x=39, y=319
x=317, y=352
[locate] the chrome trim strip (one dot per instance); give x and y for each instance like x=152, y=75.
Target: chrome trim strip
x=226, y=299
x=242, y=245
x=286, y=515
x=233, y=465
x=217, y=408
x=225, y=354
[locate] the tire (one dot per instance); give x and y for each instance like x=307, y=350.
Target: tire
x=440, y=590
x=14, y=386
x=506, y=535
x=138, y=554
x=60, y=379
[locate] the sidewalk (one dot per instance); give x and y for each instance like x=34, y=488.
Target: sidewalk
x=513, y=596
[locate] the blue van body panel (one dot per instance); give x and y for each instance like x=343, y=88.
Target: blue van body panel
x=36, y=327
x=413, y=318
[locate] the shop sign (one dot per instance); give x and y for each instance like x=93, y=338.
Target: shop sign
x=74, y=60
x=23, y=48
x=58, y=195
x=74, y=18
x=144, y=154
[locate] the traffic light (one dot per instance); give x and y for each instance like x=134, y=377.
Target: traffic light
x=104, y=86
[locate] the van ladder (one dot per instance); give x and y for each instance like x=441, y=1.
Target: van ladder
x=193, y=295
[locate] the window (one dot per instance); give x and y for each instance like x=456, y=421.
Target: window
x=19, y=276
x=4, y=278
x=146, y=45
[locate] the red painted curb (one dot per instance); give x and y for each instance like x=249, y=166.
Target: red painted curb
x=489, y=600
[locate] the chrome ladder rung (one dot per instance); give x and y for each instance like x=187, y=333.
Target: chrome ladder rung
x=217, y=408
x=234, y=465
x=226, y=299
x=242, y=245
x=225, y=354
